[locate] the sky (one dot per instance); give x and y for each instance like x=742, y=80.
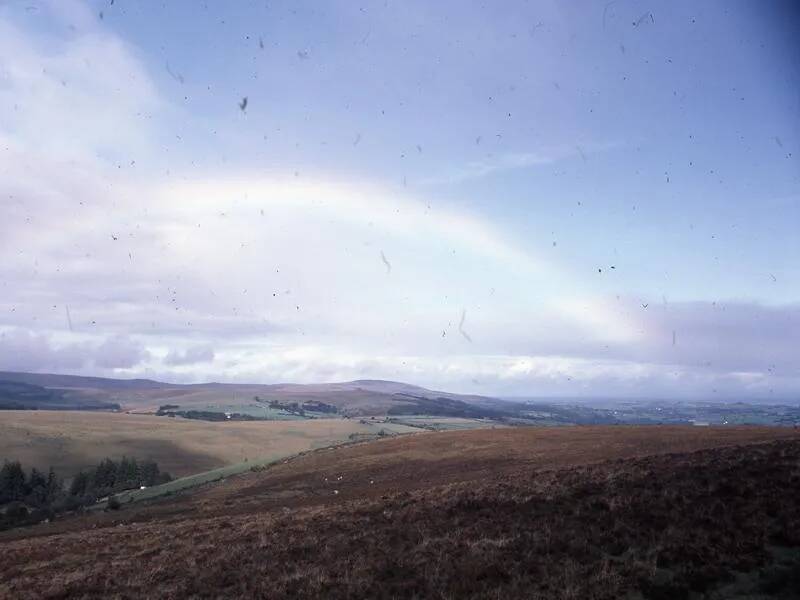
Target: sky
x=529, y=199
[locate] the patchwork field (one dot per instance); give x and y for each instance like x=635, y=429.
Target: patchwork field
x=70, y=441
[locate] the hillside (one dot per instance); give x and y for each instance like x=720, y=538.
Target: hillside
x=355, y=398
x=589, y=512
x=19, y=395
x=70, y=441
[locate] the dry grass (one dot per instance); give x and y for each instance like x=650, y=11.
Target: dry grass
x=70, y=441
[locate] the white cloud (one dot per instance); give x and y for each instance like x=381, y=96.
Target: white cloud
x=22, y=350
x=509, y=161
x=119, y=352
x=493, y=164
x=74, y=96
x=193, y=355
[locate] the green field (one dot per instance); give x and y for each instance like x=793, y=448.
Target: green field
x=184, y=483
x=441, y=423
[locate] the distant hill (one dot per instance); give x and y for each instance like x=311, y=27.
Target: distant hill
x=17, y=395
x=365, y=398
x=51, y=380
x=354, y=398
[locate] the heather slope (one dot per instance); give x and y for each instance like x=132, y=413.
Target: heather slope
x=623, y=511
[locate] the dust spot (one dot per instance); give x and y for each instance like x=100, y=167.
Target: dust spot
x=386, y=262
x=174, y=74
x=461, y=326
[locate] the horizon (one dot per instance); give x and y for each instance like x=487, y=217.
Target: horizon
x=327, y=193
x=597, y=401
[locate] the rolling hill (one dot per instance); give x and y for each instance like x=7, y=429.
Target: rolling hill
x=20, y=395
x=71, y=441
x=354, y=398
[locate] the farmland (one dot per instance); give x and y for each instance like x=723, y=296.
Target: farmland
x=70, y=441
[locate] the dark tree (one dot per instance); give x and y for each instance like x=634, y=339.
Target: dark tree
x=79, y=484
x=12, y=482
x=39, y=496
x=37, y=488
x=105, y=475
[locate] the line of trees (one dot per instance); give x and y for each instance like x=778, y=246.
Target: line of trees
x=299, y=409
x=27, y=498
x=110, y=477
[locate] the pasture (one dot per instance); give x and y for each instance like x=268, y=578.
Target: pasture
x=71, y=440
x=438, y=423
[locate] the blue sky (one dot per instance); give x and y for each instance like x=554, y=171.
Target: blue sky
x=571, y=198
